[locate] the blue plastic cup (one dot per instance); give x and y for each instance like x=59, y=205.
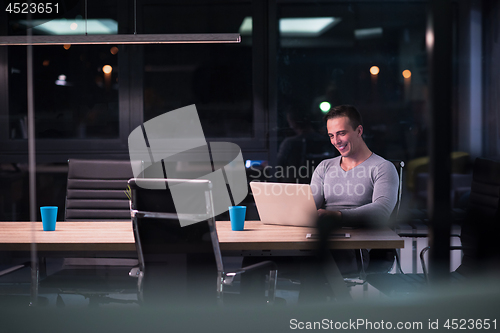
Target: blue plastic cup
x=237, y=216
x=49, y=217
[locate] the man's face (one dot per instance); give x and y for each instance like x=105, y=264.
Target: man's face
x=346, y=139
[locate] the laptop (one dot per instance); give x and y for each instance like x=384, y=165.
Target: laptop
x=285, y=204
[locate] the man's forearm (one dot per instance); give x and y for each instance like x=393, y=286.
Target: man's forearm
x=332, y=213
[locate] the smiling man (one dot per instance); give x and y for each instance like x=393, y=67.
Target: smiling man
x=358, y=187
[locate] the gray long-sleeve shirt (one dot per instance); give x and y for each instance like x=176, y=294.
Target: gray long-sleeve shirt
x=366, y=193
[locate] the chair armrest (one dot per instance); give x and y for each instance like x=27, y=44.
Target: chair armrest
x=14, y=268
x=273, y=276
x=272, y=264
x=230, y=275
x=424, y=267
x=173, y=216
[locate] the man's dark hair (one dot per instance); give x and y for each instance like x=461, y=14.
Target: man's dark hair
x=348, y=111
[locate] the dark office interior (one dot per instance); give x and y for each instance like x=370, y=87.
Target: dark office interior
x=425, y=75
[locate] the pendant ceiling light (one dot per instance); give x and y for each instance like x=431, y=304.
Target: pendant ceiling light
x=90, y=35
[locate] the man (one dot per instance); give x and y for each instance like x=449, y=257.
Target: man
x=357, y=188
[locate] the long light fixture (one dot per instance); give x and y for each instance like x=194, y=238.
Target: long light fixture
x=73, y=27
x=297, y=26
x=93, y=34
x=121, y=39
x=368, y=33
x=306, y=27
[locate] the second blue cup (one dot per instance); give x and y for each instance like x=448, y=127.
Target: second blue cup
x=49, y=217
x=237, y=217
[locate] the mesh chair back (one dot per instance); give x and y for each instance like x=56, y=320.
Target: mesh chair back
x=96, y=190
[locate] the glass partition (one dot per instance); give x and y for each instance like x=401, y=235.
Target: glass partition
x=76, y=92
x=217, y=78
x=371, y=55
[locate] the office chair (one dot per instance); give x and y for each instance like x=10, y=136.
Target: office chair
x=95, y=192
x=378, y=275
x=479, y=234
x=480, y=228
x=173, y=258
x=382, y=260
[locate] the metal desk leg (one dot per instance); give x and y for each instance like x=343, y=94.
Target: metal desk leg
x=335, y=279
x=312, y=271
x=34, y=282
x=42, y=267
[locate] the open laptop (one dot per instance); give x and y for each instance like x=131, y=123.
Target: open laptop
x=285, y=204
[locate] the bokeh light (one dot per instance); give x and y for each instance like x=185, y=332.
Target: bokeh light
x=325, y=106
x=107, y=69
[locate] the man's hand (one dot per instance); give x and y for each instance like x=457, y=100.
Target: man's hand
x=331, y=213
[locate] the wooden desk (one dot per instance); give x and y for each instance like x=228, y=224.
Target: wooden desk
x=259, y=236
x=68, y=236
x=118, y=236
x=277, y=240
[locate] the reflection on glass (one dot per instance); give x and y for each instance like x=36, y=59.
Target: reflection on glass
x=374, y=58
x=215, y=77
x=75, y=90
x=296, y=27
x=359, y=61
x=74, y=27
x=218, y=78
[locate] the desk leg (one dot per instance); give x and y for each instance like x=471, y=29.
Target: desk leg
x=42, y=268
x=34, y=282
x=313, y=274
x=335, y=279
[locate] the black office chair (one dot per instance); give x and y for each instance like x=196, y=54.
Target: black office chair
x=382, y=260
x=174, y=258
x=378, y=271
x=481, y=227
x=480, y=230
x=95, y=192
